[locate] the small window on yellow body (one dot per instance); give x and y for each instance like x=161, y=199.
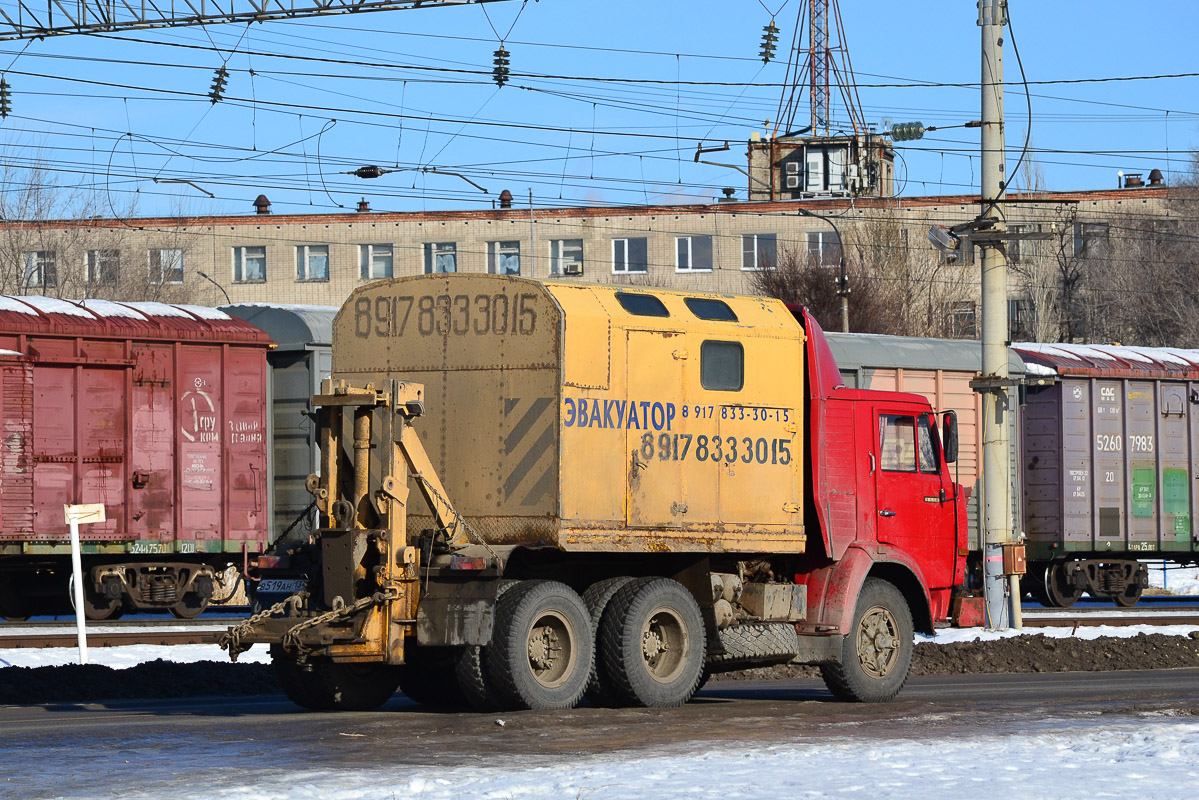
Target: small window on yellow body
x=643, y=305
x=707, y=308
x=722, y=366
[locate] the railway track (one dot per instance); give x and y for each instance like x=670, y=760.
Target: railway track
x=174, y=632
x=112, y=634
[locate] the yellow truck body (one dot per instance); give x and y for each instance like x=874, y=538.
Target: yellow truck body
x=595, y=418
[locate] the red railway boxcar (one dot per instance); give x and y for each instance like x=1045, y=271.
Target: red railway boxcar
x=157, y=411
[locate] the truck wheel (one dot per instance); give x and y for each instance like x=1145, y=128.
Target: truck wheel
x=324, y=685
x=541, y=650
x=470, y=668
x=428, y=677
x=877, y=654
x=596, y=598
x=652, y=643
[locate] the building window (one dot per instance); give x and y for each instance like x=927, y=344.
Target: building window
x=166, y=265
x=963, y=319
x=759, y=251
x=824, y=248
x=1014, y=252
x=722, y=366
x=312, y=262
x=503, y=258
x=566, y=256
x=693, y=254
x=103, y=267
x=1090, y=238
x=374, y=261
x=630, y=255
x=41, y=269
x=249, y=264
x=441, y=257
x=1021, y=314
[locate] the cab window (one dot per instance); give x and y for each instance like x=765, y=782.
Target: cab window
x=897, y=443
x=930, y=447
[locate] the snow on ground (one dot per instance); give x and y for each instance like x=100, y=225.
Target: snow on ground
x=1174, y=580
x=1151, y=755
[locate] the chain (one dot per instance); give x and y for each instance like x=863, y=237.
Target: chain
x=231, y=640
x=291, y=640
x=471, y=532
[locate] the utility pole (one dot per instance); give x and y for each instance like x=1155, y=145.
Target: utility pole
x=995, y=383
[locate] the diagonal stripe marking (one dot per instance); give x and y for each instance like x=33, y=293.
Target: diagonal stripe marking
x=526, y=422
x=540, y=488
x=535, y=453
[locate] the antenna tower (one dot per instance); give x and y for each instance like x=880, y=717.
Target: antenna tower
x=819, y=64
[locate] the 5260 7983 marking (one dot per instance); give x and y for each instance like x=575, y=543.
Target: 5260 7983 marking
x=726, y=449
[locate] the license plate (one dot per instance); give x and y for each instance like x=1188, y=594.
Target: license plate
x=280, y=586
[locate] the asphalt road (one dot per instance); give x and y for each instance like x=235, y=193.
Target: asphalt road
x=244, y=731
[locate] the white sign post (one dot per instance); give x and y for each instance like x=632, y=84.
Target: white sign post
x=80, y=515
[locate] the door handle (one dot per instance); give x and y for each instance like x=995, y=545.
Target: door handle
x=886, y=512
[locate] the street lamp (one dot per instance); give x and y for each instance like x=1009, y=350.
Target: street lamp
x=204, y=275
x=843, y=280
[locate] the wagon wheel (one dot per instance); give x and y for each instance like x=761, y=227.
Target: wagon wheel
x=1060, y=593
x=190, y=606
x=96, y=607
x=1130, y=596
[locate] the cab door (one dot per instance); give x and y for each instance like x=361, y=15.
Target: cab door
x=914, y=494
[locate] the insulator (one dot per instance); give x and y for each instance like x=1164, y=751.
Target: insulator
x=770, y=37
x=218, y=84
x=499, y=73
x=907, y=131
x=371, y=171
x=5, y=99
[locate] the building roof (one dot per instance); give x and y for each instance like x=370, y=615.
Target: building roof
x=879, y=351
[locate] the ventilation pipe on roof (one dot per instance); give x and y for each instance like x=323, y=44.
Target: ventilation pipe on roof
x=262, y=205
x=363, y=206
x=505, y=199
x=1156, y=178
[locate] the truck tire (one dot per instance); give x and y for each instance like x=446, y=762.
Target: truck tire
x=754, y=644
x=541, y=649
x=324, y=685
x=428, y=678
x=470, y=667
x=596, y=598
x=877, y=654
x=652, y=643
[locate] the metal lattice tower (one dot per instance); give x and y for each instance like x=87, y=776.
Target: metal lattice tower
x=30, y=20
x=820, y=64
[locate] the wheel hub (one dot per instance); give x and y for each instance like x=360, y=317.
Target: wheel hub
x=543, y=648
x=653, y=645
x=878, y=642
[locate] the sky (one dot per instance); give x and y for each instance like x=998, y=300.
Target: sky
x=606, y=105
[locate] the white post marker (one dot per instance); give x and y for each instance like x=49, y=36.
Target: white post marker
x=80, y=515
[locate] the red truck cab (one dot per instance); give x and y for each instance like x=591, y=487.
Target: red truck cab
x=882, y=498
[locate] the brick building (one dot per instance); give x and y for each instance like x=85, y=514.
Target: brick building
x=320, y=258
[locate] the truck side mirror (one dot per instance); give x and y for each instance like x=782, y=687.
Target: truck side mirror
x=949, y=436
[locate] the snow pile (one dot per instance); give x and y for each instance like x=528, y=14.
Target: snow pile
x=1174, y=580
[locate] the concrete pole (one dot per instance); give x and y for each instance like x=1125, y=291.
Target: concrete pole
x=997, y=485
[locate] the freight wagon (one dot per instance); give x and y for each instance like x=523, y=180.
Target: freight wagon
x=158, y=412
x=530, y=492
x=1111, y=456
